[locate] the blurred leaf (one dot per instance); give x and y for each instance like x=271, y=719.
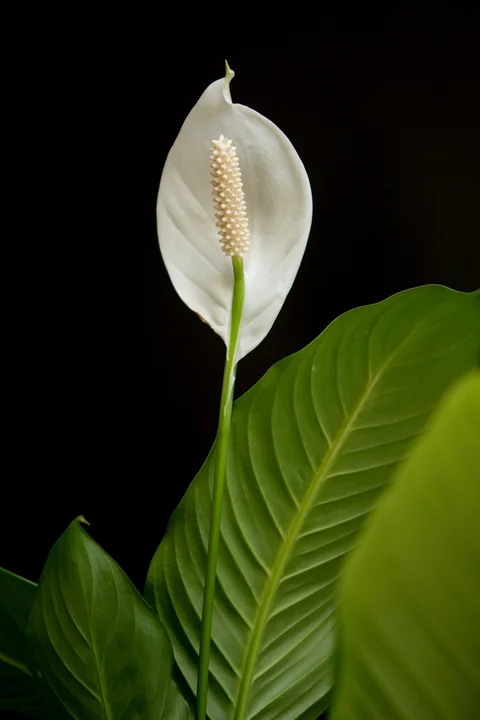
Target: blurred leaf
x=410, y=601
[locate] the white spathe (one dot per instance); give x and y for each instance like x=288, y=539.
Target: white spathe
x=279, y=205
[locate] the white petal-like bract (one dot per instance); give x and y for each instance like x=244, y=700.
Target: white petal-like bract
x=279, y=201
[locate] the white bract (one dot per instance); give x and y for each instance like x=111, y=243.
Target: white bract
x=275, y=193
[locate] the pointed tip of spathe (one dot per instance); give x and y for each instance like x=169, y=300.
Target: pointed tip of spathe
x=229, y=74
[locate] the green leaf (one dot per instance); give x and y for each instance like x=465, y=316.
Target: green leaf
x=410, y=599
x=16, y=679
x=21, y=689
x=312, y=445
x=100, y=646
x=176, y=708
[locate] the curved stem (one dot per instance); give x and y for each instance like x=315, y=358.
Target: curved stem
x=221, y=445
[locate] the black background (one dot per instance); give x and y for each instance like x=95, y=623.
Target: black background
x=384, y=115
x=383, y=109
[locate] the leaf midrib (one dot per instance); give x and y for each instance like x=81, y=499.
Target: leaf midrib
x=96, y=662
x=271, y=586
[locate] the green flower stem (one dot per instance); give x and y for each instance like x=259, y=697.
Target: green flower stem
x=221, y=445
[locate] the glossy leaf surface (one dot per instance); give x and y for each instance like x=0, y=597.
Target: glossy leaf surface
x=312, y=446
x=100, y=646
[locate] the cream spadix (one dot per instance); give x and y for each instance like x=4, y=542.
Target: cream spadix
x=273, y=186
x=229, y=198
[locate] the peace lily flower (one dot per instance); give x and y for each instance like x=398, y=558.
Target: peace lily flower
x=271, y=207
x=231, y=177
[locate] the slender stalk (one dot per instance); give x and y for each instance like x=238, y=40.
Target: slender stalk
x=221, y=444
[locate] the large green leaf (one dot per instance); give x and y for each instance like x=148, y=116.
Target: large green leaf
x=410, y=598
x=21, y=689
x=100, y=646
x=311, y=447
